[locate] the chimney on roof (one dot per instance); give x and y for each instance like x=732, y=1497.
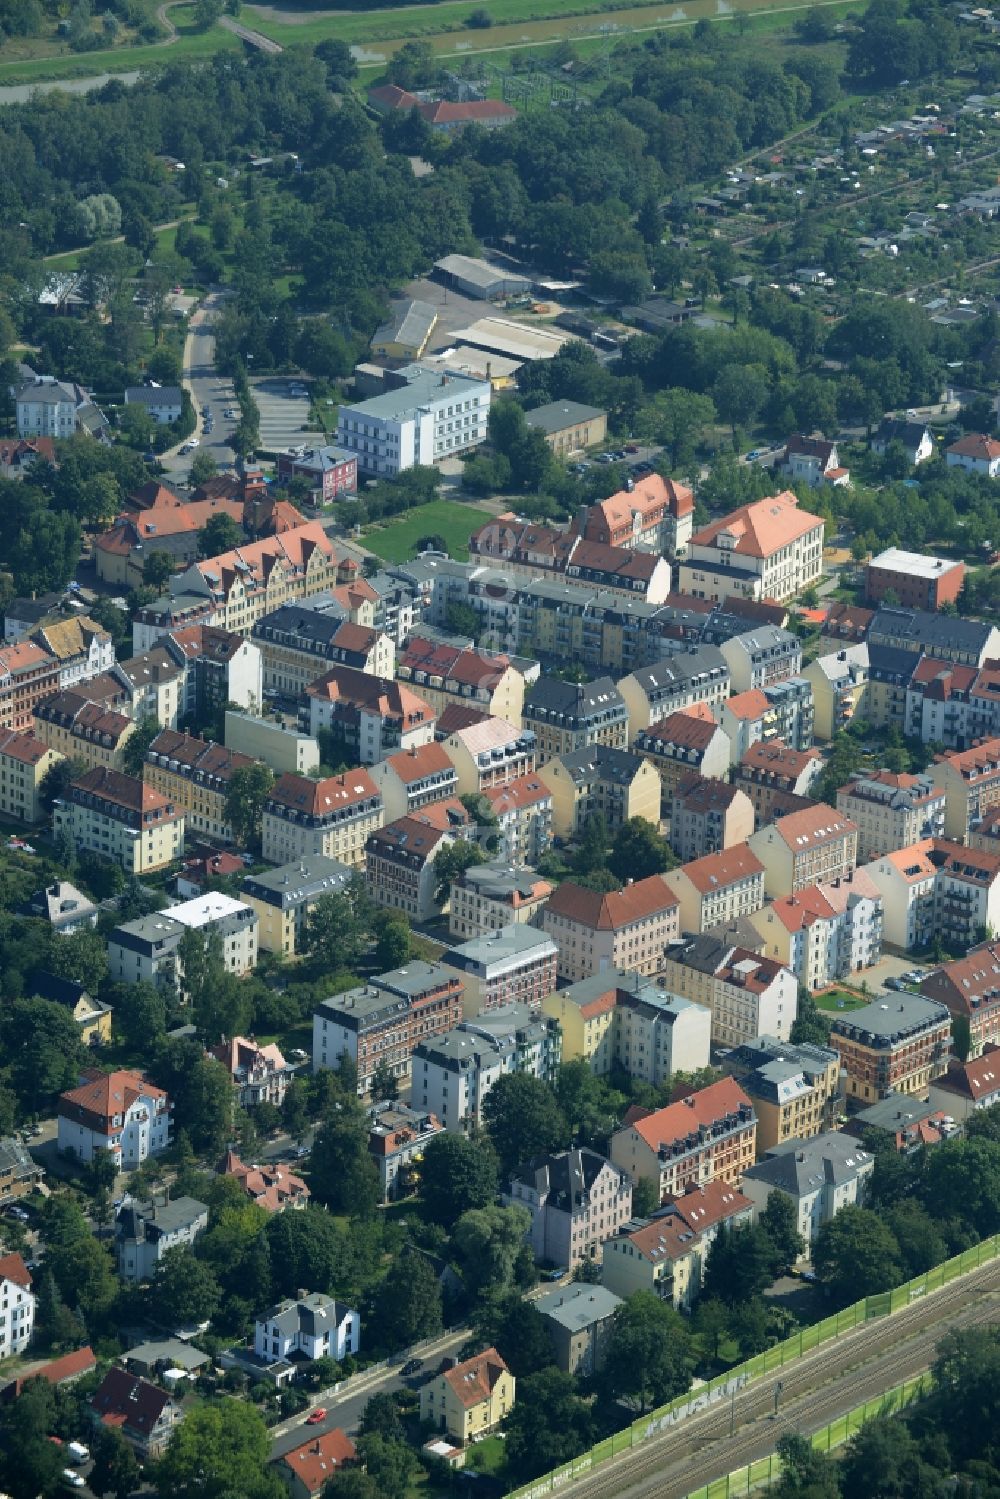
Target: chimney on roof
x=301, y=1295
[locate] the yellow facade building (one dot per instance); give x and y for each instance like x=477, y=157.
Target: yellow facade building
x=24, y=763
x=470, y=1399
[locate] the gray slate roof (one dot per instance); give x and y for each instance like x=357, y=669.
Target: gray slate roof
x=799, y=1167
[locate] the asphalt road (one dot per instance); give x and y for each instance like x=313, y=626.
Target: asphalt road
x=207, y=389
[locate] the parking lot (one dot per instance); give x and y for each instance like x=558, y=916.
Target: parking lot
x=284, y=414
x=453, y=309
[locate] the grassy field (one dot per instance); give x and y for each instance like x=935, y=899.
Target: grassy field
x=839, y=1000
x=395, y=541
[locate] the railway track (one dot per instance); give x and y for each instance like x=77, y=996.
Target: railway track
x=824, y=1384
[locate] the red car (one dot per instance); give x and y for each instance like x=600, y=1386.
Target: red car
x=316, y=1416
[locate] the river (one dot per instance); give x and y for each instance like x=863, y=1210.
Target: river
x=20, y=93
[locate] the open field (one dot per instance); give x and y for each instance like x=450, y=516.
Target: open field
x=394, y=541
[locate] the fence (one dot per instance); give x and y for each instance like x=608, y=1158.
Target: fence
x=766, y=1469
x=723, y=1385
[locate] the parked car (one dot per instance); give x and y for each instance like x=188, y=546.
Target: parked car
x=73, y=1478
x=78, y=1452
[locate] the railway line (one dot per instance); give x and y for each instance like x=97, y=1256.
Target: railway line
x=816, y=1389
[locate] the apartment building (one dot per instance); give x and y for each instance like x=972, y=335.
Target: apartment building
x=782, y=712
x=47, y=407
x=313, y=1326
x=443, y=674
x=399, y=858
x=195, y=775
x=840, y=688
x=413, y=778
x=707, y=817
x=667, y=1254
x=709, y=1135
x=83, y=648
x=141, y=1412
x=913, y=580
x=259, y=1073
x=284, y=897
x=770, y=773
x=527, y=551
x=79, y=729
x=651, y=514
x=969, y=987
x=276, y=745
x=795, y=1088
x=144, y=1231
x=898, y=1044
x=490, y=754
x=119, y=1112
x=821, y=1175
x=769, y=549
x=970, y=780
x=717, y=888
x=20, y=1173
x=396, y=1143
x=423, y=417
x=523, y=810
x=25, y=761
x=938, y=889
x=806, y=847
x=579, y=1320
x=825, y=932
x=488, y=896
x=28, y=674
x=692, y=675
x=514, y=964
x=684, y=743
x=470, y=1399
x=892, y=811
x=379, y=1023
x=618, y=1020
x=298, y=643
x=614, y=784
x=761, y=657
x=372, y=716
x=949, y=704
x=968, y=1087
x=453, y=1073
x=333, y=817
x=627, y=929
x=146, y=950
x=576, y=1199
x=747, y=995
x=571, y=716
x=106, y=812
x=948, y=637
x=987, y=835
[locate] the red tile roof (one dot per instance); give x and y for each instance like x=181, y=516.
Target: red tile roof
x=422, y=760
x=762, y=528
x=523, y=791
x=701, y=1109
x=714, y=872
x=976, y=445
x=106, y=1094
x=473, y=1381
x=319, y=798
x=687, y=729
x=24, y=748
x=316, y=1461
x=118, y=789
x=813, y=826
x=615, y=910
x=12, y=1267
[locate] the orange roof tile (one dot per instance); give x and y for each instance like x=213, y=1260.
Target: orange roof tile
x=703, y=1108
x=714, y=872
x=316, y=1461
x=473, y=1381
x=762, y=528
x=614, y=910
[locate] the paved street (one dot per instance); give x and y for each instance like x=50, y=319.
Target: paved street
x=207, y=389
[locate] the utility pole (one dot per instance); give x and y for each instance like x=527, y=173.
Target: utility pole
x=777, y=1395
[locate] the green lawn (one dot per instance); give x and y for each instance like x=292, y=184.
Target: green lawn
x=396, y=540
x=487, y=1456
x=840, y=999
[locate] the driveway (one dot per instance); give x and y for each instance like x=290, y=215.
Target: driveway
x=208, y=389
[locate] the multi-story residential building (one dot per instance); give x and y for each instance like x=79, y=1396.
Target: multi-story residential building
x=17, y=1305
x=796, y=1089
x=47, y=407
x=91, y=1017
x=914, y=437
x=892, y=811
x=514, y=964
x=284, y=897
x=913, y=580
x=667, y=1253
x=571, y=716
x=627, y=929
x=821, y=1175
x=259, y=1073
x=697, y=674
x=399, y=1135
x=412, y=778
x=470, y=1399
x=601, y=630
x=399, y=858
x=155, y=684
x=576, y=1199
x=909, y=1123
x=890, y=677
x=949, y=704
x=825, y=932
x=528, y=551
x=145, y=1231
x=614, y=784
x=523, y=810
x=28, y=674
x=146, y=950
x=706, y=1136
x=444, y=674
x=118, y=816
x=708, y=816
x=490, y=754
x=79, y=729
x=970, y=989
x=770, y=770
x=119, y=1112
x=333, y=817
x=762, y=657
x=332, y=473
x=987, y=833
x=298, y=643
x=64, y=907
x=83, y=648
x=894, y=1045
x=141, y=1412
x=422, y=417
x=840, y=687
x=379, y=1023
x=717, y=888
x=968, y=1087
x=374, y=716
x=652, y=514
x=769, y=549
x=813, y=460
x=488, y=896
x=25, y=761
x=453, y=1073
x=747, y=995
x=621, y=1020
x=780, y=713
x=20, y=1174
x=688, y=741
x=937, y=889
x=806, y=847
x=195, y=775
x=273, y=1187
x=310, y=1327
x=948, y=637
x=579, y=1322
x=278, y=746
x=970, y=780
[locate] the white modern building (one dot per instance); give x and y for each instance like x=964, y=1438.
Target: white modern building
x=314, y=1326
x=428, y=417
x=453, y=1073
x=146, y=950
